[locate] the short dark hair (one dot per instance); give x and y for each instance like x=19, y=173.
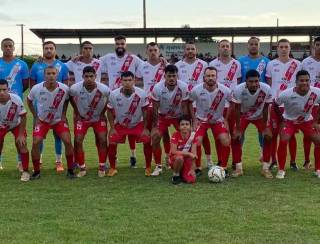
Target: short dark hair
x=50, y=67
x=210, y=68
x=223, y=40
x=302, y=72
x=252, y=73
x=3, y=82
x=88, y=69
x=85, y=43
x=152, y=44
x=49, y=42
x=127, y=74
x=120, y=37
x=7, y=39
x=185, y=117
x=316, y=39
x=171, y=68
x=254, y=38
x=283, y=40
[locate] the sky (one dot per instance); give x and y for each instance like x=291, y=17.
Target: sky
x=160, y=13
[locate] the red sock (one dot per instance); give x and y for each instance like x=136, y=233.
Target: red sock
x=166, y=146
x=25, y=160
x=157, y=155
x=282, y=154
x=80, y=159
x=70, y=161
x=206, y=144
x=274, y=143
x=218, y=150
x=36, y=164
x=102, y=156
x=293, y=149
x=237, y=151
x=317, y=157
x=234, y=151
x=132, y=142
x=112, y=155
x=306, y=148
x=147, y=149
x=225, y=153
x=198, y=160
x=266, y=153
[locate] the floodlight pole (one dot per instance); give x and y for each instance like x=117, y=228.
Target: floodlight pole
x=22, y=42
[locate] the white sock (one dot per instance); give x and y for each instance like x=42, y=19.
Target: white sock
x=176, y=174
x=58, y=158
x=265, y=165
x=239, y=165
x=133, y=153
x=208, y=157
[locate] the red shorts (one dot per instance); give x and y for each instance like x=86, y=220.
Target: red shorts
x=259, y=124
x=274, y=119
x=14, y=131
x=41, y=129
x=164, y=124
x=290, y=128
x=315, y=112
x=216, y=129
x=81, y=127
x=186, y=168
x=121, y=132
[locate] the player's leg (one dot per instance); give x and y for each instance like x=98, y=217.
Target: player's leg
x=58, y=151
x=306, y=149
x=132, y=145
x=176, y=163
x=163, y=125
x=166, y=146
x=119, y=136
x=187, y=172
x=293, y=153
x=100, y=131
x=207, y=150
x=24, y=154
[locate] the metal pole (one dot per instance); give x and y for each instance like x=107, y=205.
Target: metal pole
x=144, y=19
x=22, y=41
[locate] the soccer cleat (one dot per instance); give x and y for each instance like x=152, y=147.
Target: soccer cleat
x=112, y=172
x=307, y=165
x=226, y=171
x=273, y=165
x=198, y=172
x=266, y=173
x=147, y=172
x=236, y=173
x=176, y=179
x=294, y=166
x=82, y=172
x=157, y=171
x=59, y=167
x=71, y=175
x=280, y=174
x=1, y=167
x=35, y=175
x=133, y=162
x=25, y=176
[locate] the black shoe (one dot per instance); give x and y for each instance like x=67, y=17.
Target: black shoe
x=273, y=165
x=198, y=172
x=71, y=174
x=234, y=166
x=176, y=179
x=35, y=175
x=226, y=173
x=133, y=162
x=293, y=166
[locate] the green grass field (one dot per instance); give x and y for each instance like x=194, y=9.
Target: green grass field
x=130, y=208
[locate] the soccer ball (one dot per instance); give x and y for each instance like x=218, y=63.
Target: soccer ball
x=216, y=174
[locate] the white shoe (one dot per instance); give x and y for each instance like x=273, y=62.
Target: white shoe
x=25, y=176
x=209, y=164
x=280, y=174
x=1, y=167
x=157, y=171
x=317, y=173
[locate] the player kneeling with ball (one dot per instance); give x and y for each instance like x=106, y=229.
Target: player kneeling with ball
x=183, y=153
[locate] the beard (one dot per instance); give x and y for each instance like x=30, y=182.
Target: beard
x=120, y=51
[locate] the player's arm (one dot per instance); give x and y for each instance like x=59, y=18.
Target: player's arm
x=64, y=111
x=31, y=108
x=277, y=111
x=74, y=106
x=155, y=113
x=236, y=108
x=111, y=118
x=25, y=84
x=265, y=116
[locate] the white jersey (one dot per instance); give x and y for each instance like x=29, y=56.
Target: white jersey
x=313, y=67
x=170, y=101
x=11, y=112
x=193, y=73
x=77, y=69
x=90, y=104
x=113, y=66
x=49, y=103
x=210, y=105
x=252, y=104
x=298, y=108
x=128, y=110
x=151, y=75
x=283, y=75
x=228, y=74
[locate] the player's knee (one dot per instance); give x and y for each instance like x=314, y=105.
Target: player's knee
x=102, y=139
x=36, y=142
x=225, y=140
x=178, y=160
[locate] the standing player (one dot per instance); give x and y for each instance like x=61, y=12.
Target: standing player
x=113, y=64
x=183, y=152
x=77, y=64
x=298, y=102
x=13, y=118
x=16, y=72
x=210, y=99
x=170, y=101
x=312, y=65
x=127, y=116
x=89, y=100
x=229, y=75
x=52, y=101
x=191, y=70
x=37, y=76
x=281, y=73
x=251, y=100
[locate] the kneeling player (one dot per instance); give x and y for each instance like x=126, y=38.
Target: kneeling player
x=183, y=153
x=251, y=101
x=298, y=104
x=52, y=101
x=127, y=116
x=89, y=100
x=13, y=118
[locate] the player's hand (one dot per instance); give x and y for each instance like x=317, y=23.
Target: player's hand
x=236, y=135
x=317, y=127
x=145, y=132
x=21, y=140
x=195, y=125
x=76, y=58
x=155, y=132
x=164, y=60
x=112, y=131
x=192, y=173
x=267, y=133
x=192, y=155
x=226, y=124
